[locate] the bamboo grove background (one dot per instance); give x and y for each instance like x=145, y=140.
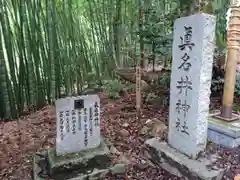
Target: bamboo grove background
x=50, y=47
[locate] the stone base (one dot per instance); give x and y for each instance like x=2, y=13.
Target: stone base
x=225, y=133
x=93, y=164
x=40, y=166
x=181, y=165
x=233, y=118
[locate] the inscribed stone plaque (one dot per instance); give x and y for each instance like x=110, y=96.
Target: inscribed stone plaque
x=78, y=123
x=193, y=48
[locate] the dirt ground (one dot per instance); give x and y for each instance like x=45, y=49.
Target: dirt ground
x=118, y=124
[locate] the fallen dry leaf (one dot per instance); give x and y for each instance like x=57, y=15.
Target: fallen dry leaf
x=118, y=124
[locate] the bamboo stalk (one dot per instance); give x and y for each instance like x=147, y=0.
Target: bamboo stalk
x=140, y=62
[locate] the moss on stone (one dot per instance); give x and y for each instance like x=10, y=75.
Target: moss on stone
x=67, y=166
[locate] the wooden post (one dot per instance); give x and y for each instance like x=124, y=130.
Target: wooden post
x=138, y=89
x=231, y=64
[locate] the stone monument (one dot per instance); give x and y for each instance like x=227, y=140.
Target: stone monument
x=80, y=153
x=78, y=124
x=193, y=48
x=190, y=83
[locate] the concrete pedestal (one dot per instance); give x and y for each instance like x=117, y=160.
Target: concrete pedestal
x=225, y=133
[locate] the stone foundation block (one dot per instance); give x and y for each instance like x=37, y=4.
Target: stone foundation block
x=92, y=164
x=181, y=165
x=225, y=133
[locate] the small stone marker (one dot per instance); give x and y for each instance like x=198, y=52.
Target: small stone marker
x=78, y=124
x=193, y=48
x=80, y=153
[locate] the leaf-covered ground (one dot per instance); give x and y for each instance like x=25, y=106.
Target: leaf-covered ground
x=118, y=124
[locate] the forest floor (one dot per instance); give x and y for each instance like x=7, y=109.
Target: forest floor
x=118, y=124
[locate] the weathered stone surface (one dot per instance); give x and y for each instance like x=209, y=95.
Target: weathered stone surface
x=40, y=166
x=118, y=169
x=190, y=82
x=223, y=139
x=222, y=132
x=84, y=162
x=78, y=123
x=189, y=168
x=123, y=159
x=93, y=164
x=171, y=169
x=230, y=128
x=95, y=175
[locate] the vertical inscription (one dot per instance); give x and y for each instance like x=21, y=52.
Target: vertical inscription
x=96, y=114
x=184, y=84
x=186, y=65
x=78, y=124
x=67, y=121
x=186, y=39
x=61, y=117
x=182, y=107
x=74, y=119
x=91, y=121
x=85, y=127
x=80, y=120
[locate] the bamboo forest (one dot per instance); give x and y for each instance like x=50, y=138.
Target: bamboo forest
x=93, y=89
x=49, y=48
